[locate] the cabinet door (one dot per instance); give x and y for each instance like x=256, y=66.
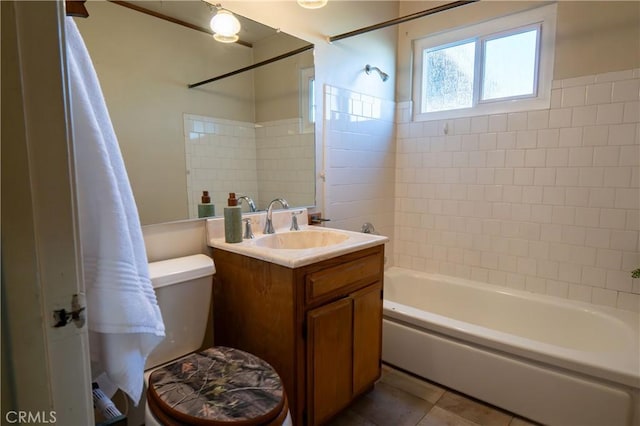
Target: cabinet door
x=367, y=336
x=329, y=365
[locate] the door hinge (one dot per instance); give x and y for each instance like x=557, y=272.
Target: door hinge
x=62, y=317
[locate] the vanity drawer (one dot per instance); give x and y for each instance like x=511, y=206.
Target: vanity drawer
x=333, y=280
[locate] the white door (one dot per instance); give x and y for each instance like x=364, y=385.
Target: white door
x=45, y=368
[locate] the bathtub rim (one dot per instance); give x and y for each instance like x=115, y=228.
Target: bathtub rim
x=615, y=367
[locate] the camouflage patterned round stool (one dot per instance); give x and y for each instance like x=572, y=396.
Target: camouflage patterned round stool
x=218, y=386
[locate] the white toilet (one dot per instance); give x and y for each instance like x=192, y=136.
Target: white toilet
x=217, y=386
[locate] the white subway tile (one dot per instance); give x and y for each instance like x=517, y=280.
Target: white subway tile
x=578, y=197
x=624, y=240
x=563, y=215
x=601, y=197
x=536, y=285
x=570, y=272
x=430, y=128
x=514, y=158
x=551, y=232
x=633, y=220
x=614, y=76
x=578, y=81
x=498, y=122
x=480, y=124
x=560, y=251
x=477, y=159
x=626, y=90
x=469, y=143
x=535, y=158
x=587, y=216
x=538, y=119
x=591, y=176
x=547, y=269
x=556, y=98
x=606, y=155
x=557, y=289
x=630, y=261
x=595, y=135
x=487, y=141
x=521, y=212
x=486, y=176
x=527, y=266
x=629, y=155
x=503, y=176
x=553, y=195
x=538, y=249
x=573, y=96
x=556, y=84
x=545, y=176
x=599, y=93
x=532, y=194
x=517, y=121
x=595, y=277
x=508, y=263
x=560, y=117
x=581, y=156
x=567, y=176
x=580, y=293
x=599, y=238
x=557, y=157
x=604, y=297
x=631, y=112
x=627, y=198
x=628, y=301
x=495, y=158
x=526, y=139
x=506, y=140
x=462, y=126
x=548, y=138
x=585, y=116
x=622, y=134
x=571, y=136
x=609, y=259
x=612, y=218
x=619, y=280
x=541, y=213
x=573, y=235
x=523, y=176
x=610, y=113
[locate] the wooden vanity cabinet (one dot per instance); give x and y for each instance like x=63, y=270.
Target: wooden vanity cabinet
x=319, y=326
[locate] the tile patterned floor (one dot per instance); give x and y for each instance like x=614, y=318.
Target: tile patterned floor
x=400, y=399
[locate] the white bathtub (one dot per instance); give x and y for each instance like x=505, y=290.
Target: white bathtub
x=553, y=361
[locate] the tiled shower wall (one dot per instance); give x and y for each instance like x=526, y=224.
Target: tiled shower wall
x=359, y=161
x=265, y=161
x=221, y=158
x=546, y=201
x=285, y=163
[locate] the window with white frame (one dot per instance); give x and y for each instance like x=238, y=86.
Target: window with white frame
x=502, y=65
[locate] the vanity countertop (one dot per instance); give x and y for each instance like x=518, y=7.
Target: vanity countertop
x=295, y=257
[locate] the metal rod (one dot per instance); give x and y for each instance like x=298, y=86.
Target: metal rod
x=170, y=19
x=401, y=20
x=250, y=67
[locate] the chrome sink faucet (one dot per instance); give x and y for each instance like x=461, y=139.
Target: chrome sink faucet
x=268, y=226
x=252, y=205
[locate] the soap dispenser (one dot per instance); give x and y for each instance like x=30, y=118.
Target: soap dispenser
x=232, y=220
x=206, y=208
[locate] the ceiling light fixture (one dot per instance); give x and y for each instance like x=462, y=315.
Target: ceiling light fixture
x=225, y=26
x=312, y=4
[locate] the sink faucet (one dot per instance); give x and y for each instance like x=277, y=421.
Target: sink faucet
x=268, y=226
x=252, y=205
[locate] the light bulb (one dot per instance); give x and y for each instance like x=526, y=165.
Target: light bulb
x=225, y=26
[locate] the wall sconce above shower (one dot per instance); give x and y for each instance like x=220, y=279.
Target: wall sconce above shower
x=383, y=75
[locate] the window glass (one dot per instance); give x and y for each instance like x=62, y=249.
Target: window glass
x=448, y=77
x=510, y=66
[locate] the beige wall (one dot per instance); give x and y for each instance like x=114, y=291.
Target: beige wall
x=277, y=84
x=591, y=37
x=144, y=65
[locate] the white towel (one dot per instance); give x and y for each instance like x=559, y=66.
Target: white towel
x=124, y=319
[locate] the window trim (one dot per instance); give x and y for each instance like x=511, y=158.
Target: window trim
x=544, y=16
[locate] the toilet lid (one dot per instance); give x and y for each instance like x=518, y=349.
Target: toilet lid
x=218, y=386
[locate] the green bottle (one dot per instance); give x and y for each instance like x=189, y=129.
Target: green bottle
x=233, y=220
x=206, y=208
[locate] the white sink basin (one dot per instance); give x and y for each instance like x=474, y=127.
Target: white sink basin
x=301, y=239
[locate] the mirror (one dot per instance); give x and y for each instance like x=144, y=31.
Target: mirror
x=252, y=133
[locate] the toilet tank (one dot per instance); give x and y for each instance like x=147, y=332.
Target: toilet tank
x=183, y=288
